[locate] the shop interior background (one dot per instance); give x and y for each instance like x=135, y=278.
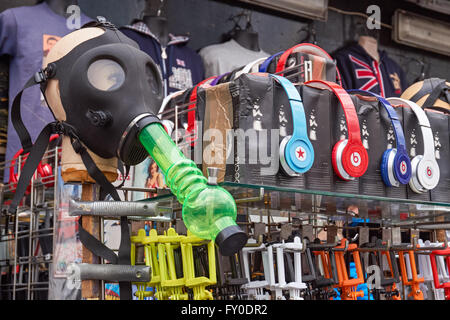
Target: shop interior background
x=206, y=21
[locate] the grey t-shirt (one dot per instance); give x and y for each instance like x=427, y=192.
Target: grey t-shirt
x=227, y=56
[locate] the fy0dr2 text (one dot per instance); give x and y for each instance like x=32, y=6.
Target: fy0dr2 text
x=228, y=309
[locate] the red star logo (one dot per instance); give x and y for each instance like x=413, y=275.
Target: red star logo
x=300, y=153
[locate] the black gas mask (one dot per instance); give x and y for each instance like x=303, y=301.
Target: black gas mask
x=109, y=90
x=113, y=88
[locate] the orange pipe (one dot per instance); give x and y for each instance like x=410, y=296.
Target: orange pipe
x=416, y=293
x=348, y=286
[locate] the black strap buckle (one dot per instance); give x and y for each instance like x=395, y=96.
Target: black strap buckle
x=44, y=74
x=40, y=76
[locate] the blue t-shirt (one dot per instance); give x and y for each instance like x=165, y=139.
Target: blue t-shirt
x=181, y=67
x=26, y=36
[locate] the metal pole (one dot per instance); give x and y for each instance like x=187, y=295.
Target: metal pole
x=16, y=230
x=30, y=239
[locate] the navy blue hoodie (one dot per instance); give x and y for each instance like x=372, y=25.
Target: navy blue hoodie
x=181, y=67
x=360, y=71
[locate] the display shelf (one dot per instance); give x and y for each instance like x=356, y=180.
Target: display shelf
x=385, y=211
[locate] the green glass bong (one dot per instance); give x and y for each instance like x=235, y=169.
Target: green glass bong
x=209, y=211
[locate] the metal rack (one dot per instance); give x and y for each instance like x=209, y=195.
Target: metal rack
x=28, y=271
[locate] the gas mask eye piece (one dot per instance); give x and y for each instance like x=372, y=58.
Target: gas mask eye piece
x=153, y=79
x=106, y=75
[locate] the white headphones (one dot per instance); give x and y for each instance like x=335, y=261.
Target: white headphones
x=425, y=169
x=167, y=99
x=250, y=67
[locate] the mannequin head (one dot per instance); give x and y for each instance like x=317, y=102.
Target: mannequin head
x=153, y=16
x=248, y=39
x=156, y=8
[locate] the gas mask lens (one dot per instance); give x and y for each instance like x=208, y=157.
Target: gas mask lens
x=106, y=75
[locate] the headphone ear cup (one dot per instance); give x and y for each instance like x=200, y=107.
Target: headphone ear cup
x=13, y=182
x=336, y=159
x=45, y=171
x=414, y=183
x=284, y=155
x=387, y=172
x=428, y=173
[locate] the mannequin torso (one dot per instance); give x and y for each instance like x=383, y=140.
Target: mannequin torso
x=159, y=27
x=247, y=39
x=370, y=44
x=60, y=6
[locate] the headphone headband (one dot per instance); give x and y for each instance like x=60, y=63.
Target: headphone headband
x=427, y=134
x=295, y=100
x=307, y=48
x=398, y=129
x=346, y=102
x=248, y=68
x=167, y=99
x=218, y=78
x=263, y=67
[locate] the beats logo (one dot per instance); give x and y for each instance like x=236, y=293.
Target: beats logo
x=403, y=167
x=300, y=153
x=429, y=172
x=355, y=159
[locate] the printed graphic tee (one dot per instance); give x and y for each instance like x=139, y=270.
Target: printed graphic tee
x=360, y=71
x=181, y=67
x=26, y=36
x=227, y=56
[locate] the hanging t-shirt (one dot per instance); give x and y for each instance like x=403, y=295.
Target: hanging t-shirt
x=360, y=71
x=181, y=67
x=227, y=56
x=26, y=35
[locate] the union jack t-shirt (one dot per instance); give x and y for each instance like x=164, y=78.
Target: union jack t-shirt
x=360, y=71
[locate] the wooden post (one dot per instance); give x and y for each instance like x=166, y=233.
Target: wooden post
x=90, y=289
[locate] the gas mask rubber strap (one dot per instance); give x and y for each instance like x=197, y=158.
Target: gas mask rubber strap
x=16, y=118
x=35, y=156
x=41, y=78
x=92, y=243
x=124, y=173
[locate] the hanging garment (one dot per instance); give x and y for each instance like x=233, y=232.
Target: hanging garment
x=181, y=67
x=360, y=71
x=227, y=56
x=26, y=35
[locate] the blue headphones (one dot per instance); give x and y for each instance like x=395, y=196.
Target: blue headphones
x=263, y=67
x=395, y=163
x=296, y=151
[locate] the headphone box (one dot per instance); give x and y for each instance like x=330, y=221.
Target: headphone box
x=387, y=137
x=368, y=110
x=255, y=140
x=439, y=123
x=414, y=146
x=316, y=103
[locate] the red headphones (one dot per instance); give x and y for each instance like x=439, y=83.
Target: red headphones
x=349, y=157
x=305, y=48
x=191, y=129
x=44, y=171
